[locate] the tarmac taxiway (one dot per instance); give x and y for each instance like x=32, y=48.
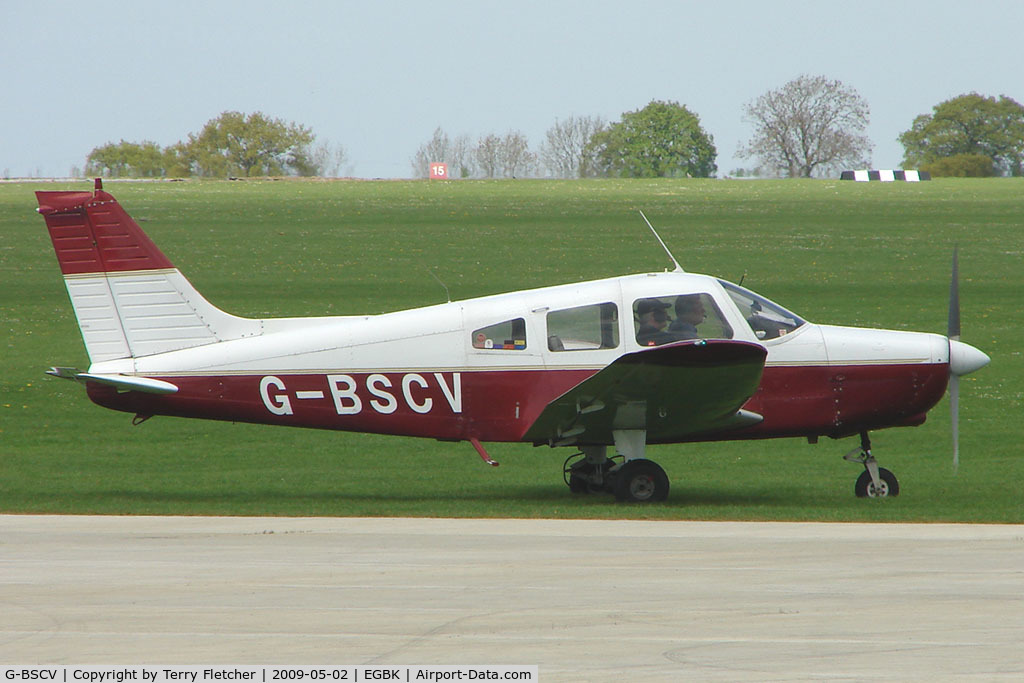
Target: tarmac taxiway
x=583, y=600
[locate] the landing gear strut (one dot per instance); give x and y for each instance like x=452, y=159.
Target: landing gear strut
x=874, y=481
x=588, y=471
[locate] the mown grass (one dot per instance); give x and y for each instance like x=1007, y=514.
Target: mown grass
x=848, y=253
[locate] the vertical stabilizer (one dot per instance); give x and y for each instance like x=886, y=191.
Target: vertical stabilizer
x=129, y=298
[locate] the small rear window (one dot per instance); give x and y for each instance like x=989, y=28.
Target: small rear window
x=509, y=335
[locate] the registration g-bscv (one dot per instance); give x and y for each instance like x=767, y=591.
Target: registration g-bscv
x=379, y=391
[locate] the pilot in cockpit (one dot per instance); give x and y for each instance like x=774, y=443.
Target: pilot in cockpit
x=652, y=319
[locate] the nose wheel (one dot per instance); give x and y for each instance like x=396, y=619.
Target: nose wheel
x=885, y=488
x=874, y=481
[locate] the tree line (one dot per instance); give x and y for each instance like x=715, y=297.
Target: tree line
x=662, y=139
x=810, y=127
x=232, y=145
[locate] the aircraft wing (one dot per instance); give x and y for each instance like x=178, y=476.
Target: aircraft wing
x=672, y=391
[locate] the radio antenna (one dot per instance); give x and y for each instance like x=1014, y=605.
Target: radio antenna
x=446, y=292
x=679, y=268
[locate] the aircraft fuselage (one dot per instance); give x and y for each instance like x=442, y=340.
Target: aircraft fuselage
x=418, y=372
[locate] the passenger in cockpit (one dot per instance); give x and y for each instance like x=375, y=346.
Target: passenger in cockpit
x=689, y=313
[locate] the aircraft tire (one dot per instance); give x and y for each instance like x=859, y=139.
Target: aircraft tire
x=641, y=481
x=865, y=488
x=578, y=484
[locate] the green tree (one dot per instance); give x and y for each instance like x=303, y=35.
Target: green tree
x=664, y=139
x=127, y=160
x=961, y=166
x=811, y=125
x=969, y=124
x=179, y=160
x=235, y=144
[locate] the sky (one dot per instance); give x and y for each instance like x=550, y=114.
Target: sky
x=378, y=77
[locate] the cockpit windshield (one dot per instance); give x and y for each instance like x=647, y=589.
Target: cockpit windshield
x=768, y=320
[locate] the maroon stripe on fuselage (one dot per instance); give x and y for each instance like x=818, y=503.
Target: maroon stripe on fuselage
x=500, y=405
x=843, y=400
x=487, y=405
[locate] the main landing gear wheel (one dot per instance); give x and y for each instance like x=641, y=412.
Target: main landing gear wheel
x=641, y=481
x=887, y=487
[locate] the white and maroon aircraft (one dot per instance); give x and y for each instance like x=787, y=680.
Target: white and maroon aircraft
x=622, y=362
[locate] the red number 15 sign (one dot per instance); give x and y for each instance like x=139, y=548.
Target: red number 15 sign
x=439, y=171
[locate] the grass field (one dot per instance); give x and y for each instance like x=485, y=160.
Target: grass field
x=869, y=254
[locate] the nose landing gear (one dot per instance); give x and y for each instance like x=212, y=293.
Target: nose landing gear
x=874, y=481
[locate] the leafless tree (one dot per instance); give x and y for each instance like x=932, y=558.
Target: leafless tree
x=329, y=158
x=488, y=155
x=517, y=160
x=565, y=151
x=441, y=148
x=809, y=126
x=431, y=152
x=460, y=160
x=504, y=157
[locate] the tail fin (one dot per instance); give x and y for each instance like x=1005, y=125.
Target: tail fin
x=129, y=299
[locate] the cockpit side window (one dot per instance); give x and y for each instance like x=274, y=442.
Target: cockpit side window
x=509, y=335
x=584, y=328
x=666, y=319
x=767, y=319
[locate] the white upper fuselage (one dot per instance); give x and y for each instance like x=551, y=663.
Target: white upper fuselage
x=441, y=336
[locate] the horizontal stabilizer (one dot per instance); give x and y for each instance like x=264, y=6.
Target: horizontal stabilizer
x=146, y=385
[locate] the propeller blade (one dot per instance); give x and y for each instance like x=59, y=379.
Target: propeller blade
x=953, y=333
x=954, y=300
x=963, y=358
x=954, y=409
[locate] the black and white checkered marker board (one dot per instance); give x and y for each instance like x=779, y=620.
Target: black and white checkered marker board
x=886, y=176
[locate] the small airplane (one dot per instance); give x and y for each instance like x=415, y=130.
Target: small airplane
x=620, y=362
